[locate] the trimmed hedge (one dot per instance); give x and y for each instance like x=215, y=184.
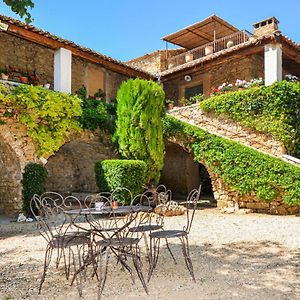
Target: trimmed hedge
x=114, y=173
x=34, y=180
x=271, y=109
x=241, y=168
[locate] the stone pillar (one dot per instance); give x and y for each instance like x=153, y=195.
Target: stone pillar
x=62, y=70
x=273, y=63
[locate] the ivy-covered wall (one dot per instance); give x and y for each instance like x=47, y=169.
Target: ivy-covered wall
x=272, y=110
x=247, y=175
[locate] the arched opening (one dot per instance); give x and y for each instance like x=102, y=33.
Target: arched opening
x=181, y=174
x=10, y=180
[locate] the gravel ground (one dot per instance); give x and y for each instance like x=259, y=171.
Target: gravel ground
x=252, y=256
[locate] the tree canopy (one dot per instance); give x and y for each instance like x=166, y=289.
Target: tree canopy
x=21, y=7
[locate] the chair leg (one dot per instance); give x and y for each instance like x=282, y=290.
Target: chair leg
x=168, y=246
x=102, y=268
x=47, y=260
x=138, y=266
x=154, y=252
x=187, y=257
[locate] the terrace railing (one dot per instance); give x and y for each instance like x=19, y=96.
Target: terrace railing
x=218, y=45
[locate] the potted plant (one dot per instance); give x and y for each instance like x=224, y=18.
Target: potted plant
x=24, y=76
x=5, y=72
x=170, y=104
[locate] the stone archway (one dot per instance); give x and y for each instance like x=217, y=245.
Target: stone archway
x=10, y=180
x=16, y=150
x=181, y=173
x=72, y=168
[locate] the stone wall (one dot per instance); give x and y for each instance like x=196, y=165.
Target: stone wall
x=228, y=129
x=23, y=54
x=154, y=62
x=16, y=151
x=214, y=75
x=72, y=168
x=180, y=173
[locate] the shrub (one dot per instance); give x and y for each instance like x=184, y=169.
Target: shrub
x=111, y=174
x=139, y=130
x=94, y=114
x=34, y=180
x=272, y=110
x=243, y=169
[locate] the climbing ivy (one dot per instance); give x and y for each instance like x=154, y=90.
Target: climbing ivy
x=241, y=168
x=273, y=110
x=139, y=131
x=49, y=116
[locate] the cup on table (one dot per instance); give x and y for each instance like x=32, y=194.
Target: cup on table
x=114, y=204
x=98, y=205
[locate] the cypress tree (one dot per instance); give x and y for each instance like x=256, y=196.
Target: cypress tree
x=139, y=128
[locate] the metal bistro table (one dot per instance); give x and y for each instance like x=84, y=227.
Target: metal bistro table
x=107, y=210
x=104, y=211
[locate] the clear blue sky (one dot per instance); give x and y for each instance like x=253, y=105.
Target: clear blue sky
x=125, y=29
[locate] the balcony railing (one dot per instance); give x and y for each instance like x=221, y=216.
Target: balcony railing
x=226, y=42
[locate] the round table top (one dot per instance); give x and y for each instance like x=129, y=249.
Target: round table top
x=126, y=209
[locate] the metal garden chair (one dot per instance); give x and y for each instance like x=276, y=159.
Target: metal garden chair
x=59, y=232
x=182, y=234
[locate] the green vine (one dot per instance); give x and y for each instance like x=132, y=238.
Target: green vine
x=243, y=169
x=49, y=116
x=273, y=110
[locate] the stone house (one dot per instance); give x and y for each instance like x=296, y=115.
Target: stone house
x=62, y=63
x=213, y=52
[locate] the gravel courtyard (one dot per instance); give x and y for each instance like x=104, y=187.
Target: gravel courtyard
x=235, y=256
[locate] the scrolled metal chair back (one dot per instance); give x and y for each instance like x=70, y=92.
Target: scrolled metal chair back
x=122, y=195
x=191, y=205
x=49, y=211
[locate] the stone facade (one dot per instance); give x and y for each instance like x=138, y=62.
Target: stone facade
x=154, y=62
x=23, y=54
x=245, y=68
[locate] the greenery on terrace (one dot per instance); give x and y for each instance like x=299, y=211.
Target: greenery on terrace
x=49, y=116
x=273, y=110
x=241, y=168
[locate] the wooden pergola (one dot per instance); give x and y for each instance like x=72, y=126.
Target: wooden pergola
x=201, y=33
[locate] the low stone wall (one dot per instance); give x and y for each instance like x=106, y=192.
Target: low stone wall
x=227, y=198
x=228, y=129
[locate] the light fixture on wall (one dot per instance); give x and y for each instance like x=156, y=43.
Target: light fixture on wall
x=187, y=78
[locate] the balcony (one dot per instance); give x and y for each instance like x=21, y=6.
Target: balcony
x=218, y=45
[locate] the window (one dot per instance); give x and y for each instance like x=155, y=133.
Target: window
x=192, y=91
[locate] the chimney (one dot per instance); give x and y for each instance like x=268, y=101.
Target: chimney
x=265, y=27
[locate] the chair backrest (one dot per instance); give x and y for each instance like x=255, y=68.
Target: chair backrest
x=191, y=205
x=151, y=217
x=158, y=195
x=48, y=210
x=122, y=195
